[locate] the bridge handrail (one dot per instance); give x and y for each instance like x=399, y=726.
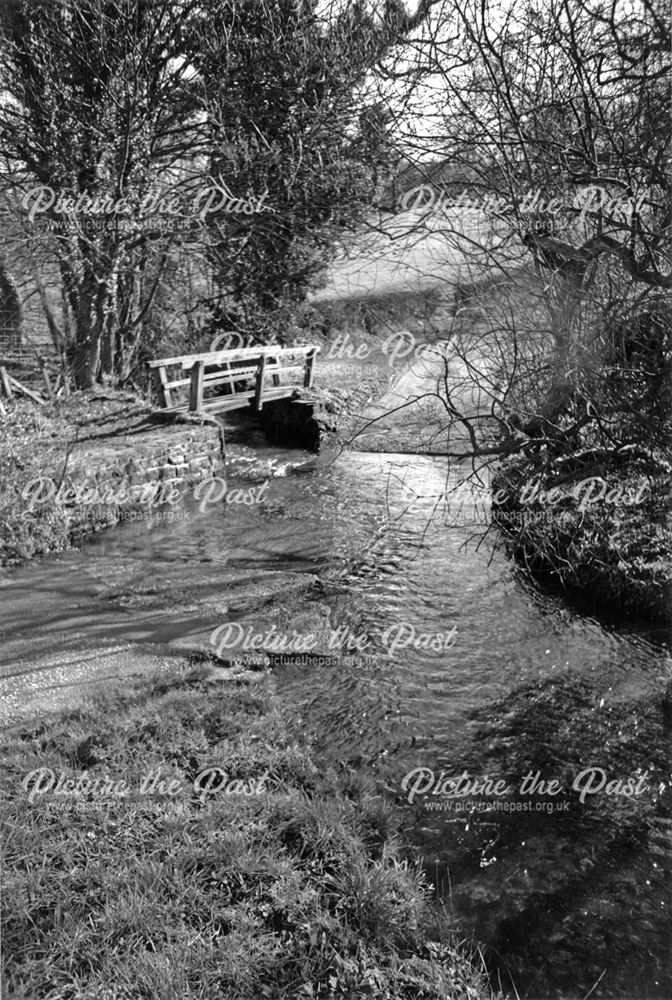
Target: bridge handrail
x=237, y=354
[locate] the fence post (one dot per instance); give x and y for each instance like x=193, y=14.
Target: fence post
x=196, y=387
x=47, y=380
x=4, y=381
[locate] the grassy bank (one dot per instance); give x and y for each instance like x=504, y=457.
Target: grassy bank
x=618, y=554
x=286, y=881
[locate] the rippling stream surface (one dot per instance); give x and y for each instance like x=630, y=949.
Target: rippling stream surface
x=566, y=895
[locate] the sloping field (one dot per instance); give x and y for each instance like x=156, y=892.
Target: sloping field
x=416, y=251
x=415, y=274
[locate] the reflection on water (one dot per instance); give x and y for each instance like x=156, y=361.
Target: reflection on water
x=565, y=900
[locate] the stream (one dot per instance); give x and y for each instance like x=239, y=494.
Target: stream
x=567, y=885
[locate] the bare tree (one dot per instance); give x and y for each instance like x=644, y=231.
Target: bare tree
x=94, y=125
x=549, y=127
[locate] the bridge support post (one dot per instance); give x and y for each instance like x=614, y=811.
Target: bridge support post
x=259, y=387
x=161, y=380
x=196, y=387
x=310, y=364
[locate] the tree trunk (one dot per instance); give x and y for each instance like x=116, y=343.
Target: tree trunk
x=86, y=362
x=89, y=324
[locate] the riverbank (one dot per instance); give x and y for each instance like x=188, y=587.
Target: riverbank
x=206, y=853
x=618, y=554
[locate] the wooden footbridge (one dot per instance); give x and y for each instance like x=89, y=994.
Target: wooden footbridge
x=244, y=376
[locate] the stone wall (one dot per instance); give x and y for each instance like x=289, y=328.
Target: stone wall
x=170, y=458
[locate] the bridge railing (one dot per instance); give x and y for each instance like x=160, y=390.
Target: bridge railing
x=233, y=369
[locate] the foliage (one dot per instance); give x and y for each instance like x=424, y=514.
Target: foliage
x=25, y=533
x=284, y=99
x=615, y=428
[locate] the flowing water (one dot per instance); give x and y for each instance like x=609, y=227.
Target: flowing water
x=567, y=896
